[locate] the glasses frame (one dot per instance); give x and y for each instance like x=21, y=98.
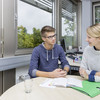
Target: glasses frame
x=51, y=37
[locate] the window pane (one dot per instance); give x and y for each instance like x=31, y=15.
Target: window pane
x=69, y=24
x=32, y=16
x=97, y=14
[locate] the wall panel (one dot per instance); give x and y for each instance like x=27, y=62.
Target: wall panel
x=0, y=27
x=8, y=79
x=9, y=31
x=1, y=90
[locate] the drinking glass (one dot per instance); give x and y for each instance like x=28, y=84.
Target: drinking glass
x=28, y=85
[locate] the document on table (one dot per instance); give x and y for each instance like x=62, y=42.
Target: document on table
x=47, y=83
x=72, y=82
x=62, y=82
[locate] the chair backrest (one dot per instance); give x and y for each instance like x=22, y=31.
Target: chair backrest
x=62, y=42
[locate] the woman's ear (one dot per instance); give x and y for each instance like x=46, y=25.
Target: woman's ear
x=99, y=38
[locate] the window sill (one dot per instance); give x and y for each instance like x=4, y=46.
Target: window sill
x=14, y=62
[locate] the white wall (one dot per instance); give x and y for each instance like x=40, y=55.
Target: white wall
x=86, y=19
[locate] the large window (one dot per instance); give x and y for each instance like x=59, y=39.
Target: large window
x=22, y=20
x=32, y=16
x=69, y=23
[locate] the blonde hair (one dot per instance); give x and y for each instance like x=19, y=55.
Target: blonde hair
x=94, y=30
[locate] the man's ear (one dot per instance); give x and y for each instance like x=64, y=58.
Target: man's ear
x=43, y=39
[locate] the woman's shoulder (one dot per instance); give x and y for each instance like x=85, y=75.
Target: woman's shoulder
x=87, y=48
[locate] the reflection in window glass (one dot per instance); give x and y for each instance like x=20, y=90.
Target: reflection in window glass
x=31, y=18
x=97, y=14
x=69, y=24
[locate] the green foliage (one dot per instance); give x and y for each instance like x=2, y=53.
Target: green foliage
x=69, y=40
x=70, y=27
x=26, y=40
x=69, y=37
x=36, y=37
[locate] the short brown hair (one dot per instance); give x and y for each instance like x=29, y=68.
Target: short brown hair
x=94, y=30
x=47, y=29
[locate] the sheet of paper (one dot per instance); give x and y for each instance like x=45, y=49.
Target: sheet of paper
x=74, y=82
x=47, y=83
x=62, y=82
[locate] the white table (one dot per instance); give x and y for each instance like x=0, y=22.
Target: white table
x=42, y=93
x=74, y=65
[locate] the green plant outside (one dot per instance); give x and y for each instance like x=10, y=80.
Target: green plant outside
x=26, y=40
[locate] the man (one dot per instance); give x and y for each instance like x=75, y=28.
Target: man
x=44, y=60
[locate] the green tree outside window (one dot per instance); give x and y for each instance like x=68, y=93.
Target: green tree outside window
x=26, y=40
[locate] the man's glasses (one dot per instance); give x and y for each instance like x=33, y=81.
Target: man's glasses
x=51, y=37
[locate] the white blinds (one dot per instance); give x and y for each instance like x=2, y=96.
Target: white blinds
x=42, y=4
x=68, y=9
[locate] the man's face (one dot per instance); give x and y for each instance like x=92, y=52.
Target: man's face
x=49, y=38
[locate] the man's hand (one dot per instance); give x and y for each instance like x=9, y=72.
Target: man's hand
x=58, y=73
x=83, y=73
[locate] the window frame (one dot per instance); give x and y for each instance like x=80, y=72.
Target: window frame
x=94, y=5
x=70, y=19
x=23, y=51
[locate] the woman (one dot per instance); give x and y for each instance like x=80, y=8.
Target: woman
x=90, y=65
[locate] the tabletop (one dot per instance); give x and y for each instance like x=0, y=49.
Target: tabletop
x=17, y=92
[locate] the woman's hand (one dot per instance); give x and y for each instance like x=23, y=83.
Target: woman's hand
x=83, y=73
x=97, y=74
